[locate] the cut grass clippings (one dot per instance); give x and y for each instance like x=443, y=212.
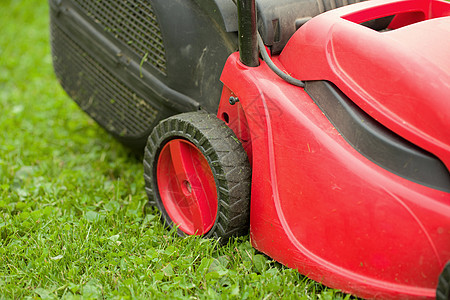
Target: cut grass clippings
x=72, y=223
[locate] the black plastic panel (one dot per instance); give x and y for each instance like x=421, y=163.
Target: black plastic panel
x=98, y=92
x=376, y=142
x=131, y=63
x=131, y=22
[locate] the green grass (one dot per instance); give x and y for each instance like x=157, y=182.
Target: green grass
x=72, y=223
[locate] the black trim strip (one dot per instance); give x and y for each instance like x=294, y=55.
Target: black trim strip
x=376, y=142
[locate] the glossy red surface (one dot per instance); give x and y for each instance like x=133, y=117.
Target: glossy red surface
x=401, y=77
x=317, y=204
x=187, y=187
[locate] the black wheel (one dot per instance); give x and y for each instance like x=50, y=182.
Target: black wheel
x=198, y=175
x=443, y=288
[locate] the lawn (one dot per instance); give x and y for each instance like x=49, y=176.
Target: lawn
x=72, y=217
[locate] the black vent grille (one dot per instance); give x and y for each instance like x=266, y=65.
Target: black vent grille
x=98, y=92
x=132, y=22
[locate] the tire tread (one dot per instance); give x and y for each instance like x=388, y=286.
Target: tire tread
x=227, y=159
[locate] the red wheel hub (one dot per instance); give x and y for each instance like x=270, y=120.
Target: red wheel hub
x=187, y=187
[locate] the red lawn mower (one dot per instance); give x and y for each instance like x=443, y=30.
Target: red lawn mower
x=322, y=131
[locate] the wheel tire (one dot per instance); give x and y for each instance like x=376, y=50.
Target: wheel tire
x=443, y=288
x=198, y=175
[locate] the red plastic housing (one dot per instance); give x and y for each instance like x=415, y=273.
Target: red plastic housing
x=400, y=77
x=318, y=205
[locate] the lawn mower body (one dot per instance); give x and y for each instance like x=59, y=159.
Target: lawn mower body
x=351, y=182
x=339, y=190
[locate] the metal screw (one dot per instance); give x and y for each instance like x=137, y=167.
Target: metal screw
x=233, y=100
